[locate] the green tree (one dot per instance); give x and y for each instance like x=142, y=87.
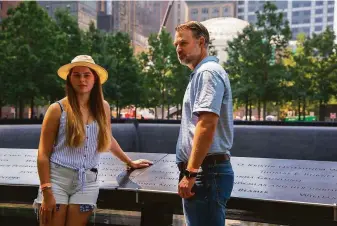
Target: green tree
x=159, y=68
x=301, y=77
x=124, y=83
x=257, y=77
x=321, y=50
x=30, y=36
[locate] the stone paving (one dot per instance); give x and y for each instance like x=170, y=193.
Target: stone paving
x=112, y=217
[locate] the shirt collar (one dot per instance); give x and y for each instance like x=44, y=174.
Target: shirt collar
x=205, y=60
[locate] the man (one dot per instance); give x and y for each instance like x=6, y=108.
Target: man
x=206, y=133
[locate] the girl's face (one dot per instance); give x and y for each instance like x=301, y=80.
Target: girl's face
x=82, y=79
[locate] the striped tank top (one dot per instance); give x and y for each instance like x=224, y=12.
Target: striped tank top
x=80, y=158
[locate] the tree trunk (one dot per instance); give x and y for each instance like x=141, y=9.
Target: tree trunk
x=299, y=109
x=264, y=110
x=259, y=109
x=162, y=111
x=17, y=109
x=177, y=114
x=168, y=111
x=1, y=109
x=250, y=110
x=135, y=111
x=32, y=108
x=246, y=110
x=278, y=111
x=304, y=108
x=155, y=113
x=22, y=108
x=117, y=109
x=320, y=107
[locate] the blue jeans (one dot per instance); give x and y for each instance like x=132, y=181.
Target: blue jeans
x=213, y=188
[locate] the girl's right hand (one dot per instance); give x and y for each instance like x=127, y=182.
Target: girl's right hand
x=48, y=207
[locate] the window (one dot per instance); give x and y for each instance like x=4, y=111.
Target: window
x=240, y=10
x=295, y=21
x=331, y=2
x=252, y=8
x=194, y=14
x=306, y=21
x=319, y=11
x=215, y=12
x=294, y=35
x=178, y=6
x=319, y=3
x=296, y=14
x=194, y=11
x=306, y=3
x=306, y=30
x=298, y=4
x=318, y=28
x=0, y=5
x=204, y=11
x=252, y=19
x=241, y=2
x=281, y=4
x=330, y=10
x=319, y=20
x=241, y=17
x=330, y=18
x=306, y=13
x=294, y=30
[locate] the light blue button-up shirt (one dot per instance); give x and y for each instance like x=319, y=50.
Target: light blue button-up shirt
x=209, y=90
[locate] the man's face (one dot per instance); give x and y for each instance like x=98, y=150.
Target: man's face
x=188, y=48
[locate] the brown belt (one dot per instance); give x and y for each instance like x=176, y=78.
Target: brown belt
x=209, y=159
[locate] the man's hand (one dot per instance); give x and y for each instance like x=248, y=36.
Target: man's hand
x=185, y=187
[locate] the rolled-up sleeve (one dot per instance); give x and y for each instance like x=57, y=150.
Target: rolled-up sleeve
x=209, y=90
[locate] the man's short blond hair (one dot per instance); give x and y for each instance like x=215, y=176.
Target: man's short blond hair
x=197, y=29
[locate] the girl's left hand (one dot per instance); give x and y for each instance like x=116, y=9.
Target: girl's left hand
x=140, y=163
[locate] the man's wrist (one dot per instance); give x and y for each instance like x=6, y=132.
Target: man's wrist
x=192, y=170
x=189, y=174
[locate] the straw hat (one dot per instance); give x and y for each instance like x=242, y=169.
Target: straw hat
x=83, y=60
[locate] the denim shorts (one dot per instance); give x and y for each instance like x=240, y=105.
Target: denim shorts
x=67, y=188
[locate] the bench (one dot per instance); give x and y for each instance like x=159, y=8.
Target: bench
x=268, y=186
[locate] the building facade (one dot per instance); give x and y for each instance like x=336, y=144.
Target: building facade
x=183, y=11
x=304, y=16
x=85, y=12
x=5, y=5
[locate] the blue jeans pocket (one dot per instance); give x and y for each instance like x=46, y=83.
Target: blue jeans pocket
x=223, y=181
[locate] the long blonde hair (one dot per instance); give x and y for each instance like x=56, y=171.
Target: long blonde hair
x=75, y=131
